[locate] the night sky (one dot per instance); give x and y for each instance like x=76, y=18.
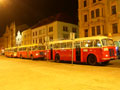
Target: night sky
x=31, y=11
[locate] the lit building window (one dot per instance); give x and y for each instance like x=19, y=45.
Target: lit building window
x=113, y=9
x=115, y=28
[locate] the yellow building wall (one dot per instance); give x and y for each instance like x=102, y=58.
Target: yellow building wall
x=57, y=32
x=105, y=20
x=27, y=37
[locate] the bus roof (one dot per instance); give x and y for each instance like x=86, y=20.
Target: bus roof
x=61, y=41
x=91, y=38
x=80, y=39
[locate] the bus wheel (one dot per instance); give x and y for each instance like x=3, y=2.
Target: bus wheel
x=92, y=60
x=57, y=58
x=32, y=58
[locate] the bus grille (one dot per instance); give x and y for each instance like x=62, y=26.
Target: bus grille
x=111, y=52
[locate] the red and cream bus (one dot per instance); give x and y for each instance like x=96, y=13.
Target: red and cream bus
x=9, y=52
x=90, y=50
x=37, y=51
x=31, y=51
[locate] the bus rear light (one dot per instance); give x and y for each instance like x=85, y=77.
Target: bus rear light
x=106, y=49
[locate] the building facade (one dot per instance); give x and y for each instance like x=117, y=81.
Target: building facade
x=27, y=37
x=10, y=36
x=99, y=17
x=56, y=30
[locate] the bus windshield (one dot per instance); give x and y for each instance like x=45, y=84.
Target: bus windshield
x=107, y=42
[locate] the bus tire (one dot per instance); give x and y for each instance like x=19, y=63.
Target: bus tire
x=32, y=58
x=57, y=58
x=92, y=60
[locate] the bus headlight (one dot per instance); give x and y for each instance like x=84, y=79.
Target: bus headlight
x=37, y=54
x=105, y=49
x=106, y=55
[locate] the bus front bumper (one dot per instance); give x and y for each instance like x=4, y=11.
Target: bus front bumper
x=111, y=58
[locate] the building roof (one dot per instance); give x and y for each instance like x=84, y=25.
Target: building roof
x=59, y=17
x=22, y=27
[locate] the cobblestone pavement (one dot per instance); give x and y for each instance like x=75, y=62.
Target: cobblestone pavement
x=23, y=74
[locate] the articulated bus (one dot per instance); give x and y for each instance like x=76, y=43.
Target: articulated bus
x=90, y=50
x=31, y=51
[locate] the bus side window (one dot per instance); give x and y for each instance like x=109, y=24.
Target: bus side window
x=63, y=45
x=77, y=44
x=69, y=44
x=97, y=43
x=90, y=43
x=57, y=45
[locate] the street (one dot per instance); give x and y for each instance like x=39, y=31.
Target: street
x=23, y=74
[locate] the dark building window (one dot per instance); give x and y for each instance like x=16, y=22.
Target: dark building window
x=40, y=40
x=65, y=36
x=114, y=9
x=94, y=1
x=36, y=33
x=51, y=38
x=98, y=30
x=115, y=28
x=97, y=12
x=93, y=31
x=50, y=29
x=85, y=18
x=65, y=28
x=86, y=32
x=85, y=3
x=33, y=33
x=92, y=14
x=74, y=30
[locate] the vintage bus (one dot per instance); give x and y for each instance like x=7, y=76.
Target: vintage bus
x=9, y=52
x=36, y=51
x=90, y=50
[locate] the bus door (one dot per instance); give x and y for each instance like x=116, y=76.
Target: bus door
x=27, y=52
x=78, y=51
x=51, y=52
